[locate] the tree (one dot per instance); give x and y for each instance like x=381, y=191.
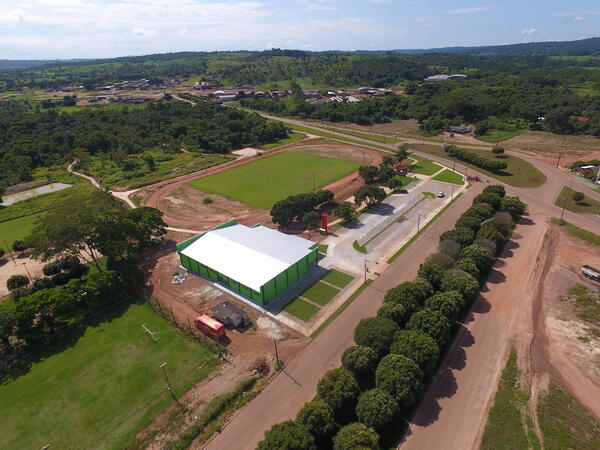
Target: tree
x=469, y=221
x=497, y=189
x=432, y=323
x=463, y=236
x=514, y=206
x=467, y=265
x=16, y=282
x=482, y=210
x=493, y=235
x=419, y=347
x=372, y=195
x=356, y=436
x=450, y=248
x=481, y=256
x=376, y=333
x=409, y=294
x=339, y=389
x=317, y=417
x=287, y=435
x=489, y=198
x=402, y=153
x=400, y=377
x=395, y=312
x=311, y=219
x=376, y=408
x=578, y=196
x=368, y=173
x=448, y=303
x=497, y=150
x=361, y=361
x=344, y=211
x=462, y=282
x=431, y=272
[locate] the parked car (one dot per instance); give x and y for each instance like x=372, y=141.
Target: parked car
x=441, y=194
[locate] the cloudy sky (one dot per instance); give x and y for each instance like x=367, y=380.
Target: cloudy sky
x=105, y=28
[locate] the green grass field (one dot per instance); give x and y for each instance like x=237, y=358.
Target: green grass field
x=424, y=166
x=338, y=278
x=16, y=229
x=264, y=181
x=294, y=137
x=447, y=176
x=585, y=235
x=98, y=389
x=333, y=136
x=519, y=172
x=499, y=135
x=301, y=309
x=320, y=293
x=587, y=206
x=362, y=135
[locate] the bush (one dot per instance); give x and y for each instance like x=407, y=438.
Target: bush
x=463, y=236
x=376, y=333
x=395, y=312
x=2, y=252
x=376, y=408
x=41, y=283
x=497, y=150
x=488, y=197
x=339, y=389
x=19, y=245
x=497, y=189
x=68, y=263
x=467, y=265
x=287, y=435
x=317, y=417
x=432, y=323
x=361, y=361
x=448, y=303
x=578, y=196
x=419, y=347
x=52, y=268
x=475, y=159
x=514, y=206
x=207, y=201
x=400, y=377
x=462, y=282
x=16, y=282
x=356, y=436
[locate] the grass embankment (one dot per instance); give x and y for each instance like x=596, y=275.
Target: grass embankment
x=363, y=135
x=359, y=248
x=424, y=166
x=99, y=386
x=165, y=166
x=263, y=182
x=447, y=176
x=508, y=425
x=585, y=235
x=294, y=137
x=586, y=206
x=519, y=172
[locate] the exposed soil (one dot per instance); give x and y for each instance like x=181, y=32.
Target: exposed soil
x=20, y=266
x=401, y=127
x=547, y=146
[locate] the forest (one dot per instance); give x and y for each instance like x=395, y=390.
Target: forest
x=42, y=138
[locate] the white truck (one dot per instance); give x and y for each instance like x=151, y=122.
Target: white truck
x=591, y=273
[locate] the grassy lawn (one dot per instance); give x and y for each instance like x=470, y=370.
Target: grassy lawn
x=301, y=309
x=447, y=176
x=294, y=137
x=360, y=134
x=519, y=172
x=498, y=136
x=358, y=247
x=110, y=173
x=264, y=181
x=98, y=387
x=565, y=423
x=337, y=278
x=586, y=235
x=504, y=428
x=16, y=229
x=323, y=248
x=320, y=293
x=587, y=206
x=332, y=136
x=424, y=166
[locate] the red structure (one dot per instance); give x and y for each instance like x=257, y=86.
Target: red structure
x=210, y=326
x=324, y=222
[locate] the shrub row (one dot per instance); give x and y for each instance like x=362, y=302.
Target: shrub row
x=493, y=165
x=383, y=376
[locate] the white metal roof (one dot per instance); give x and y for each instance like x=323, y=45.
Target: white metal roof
x=252, y=256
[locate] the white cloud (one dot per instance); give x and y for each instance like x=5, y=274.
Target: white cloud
x=144, y=33
x=469, y=10
x=529, y=31
x=12, y=16
x=319, y=5
x=386, y=2
x=577, y=19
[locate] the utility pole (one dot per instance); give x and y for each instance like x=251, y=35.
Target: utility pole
x=169, y=387
x=452, y=195
x=365, y=270
x=28, y=274
x=454, y=166
x=419, y=222
x=277, y=363
x=10, y=252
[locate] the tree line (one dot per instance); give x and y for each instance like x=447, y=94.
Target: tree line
x=396, y=353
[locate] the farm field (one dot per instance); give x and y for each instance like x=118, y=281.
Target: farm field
x=263, y=182
x=95, y=390
x=519, y=172
x=587, y=206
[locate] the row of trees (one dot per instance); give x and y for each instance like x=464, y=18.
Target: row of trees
x=397, y=352
x=305, y=208
x=493, y=165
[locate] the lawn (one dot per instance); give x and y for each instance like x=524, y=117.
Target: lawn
x=337, y=278
x=294, y=137
x=98, y=387
x=320, y=293
x=585, y=235
x=519, y=172
x=424, y=166
x=499, y=135
x=301, y=309
x=587, y=206
x=333, y=136
x=264, y=181
x=360, y=134
x=16, y=229
x=447, y=176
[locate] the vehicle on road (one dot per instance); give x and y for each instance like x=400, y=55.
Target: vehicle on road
x=590, y=272
x=209, y=326
x=441, y=194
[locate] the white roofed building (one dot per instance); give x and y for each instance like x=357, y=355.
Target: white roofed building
x=258, y=262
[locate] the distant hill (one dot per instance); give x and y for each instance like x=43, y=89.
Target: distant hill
x=589, y=46
x=30, y=63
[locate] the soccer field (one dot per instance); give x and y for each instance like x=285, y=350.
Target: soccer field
x=264, y=181
x=98, y=389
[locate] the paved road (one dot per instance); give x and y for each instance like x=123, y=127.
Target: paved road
x=485, y=337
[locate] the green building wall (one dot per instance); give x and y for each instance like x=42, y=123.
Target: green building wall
x=269, y=290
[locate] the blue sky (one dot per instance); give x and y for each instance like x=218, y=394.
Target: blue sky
x=105, y=28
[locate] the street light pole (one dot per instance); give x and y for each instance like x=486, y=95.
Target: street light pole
x=419, y=222
x=169, y=387
x=365, y=270
x=28, y=274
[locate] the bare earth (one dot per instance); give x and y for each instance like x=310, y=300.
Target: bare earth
x=547, y=146
x=8, y=268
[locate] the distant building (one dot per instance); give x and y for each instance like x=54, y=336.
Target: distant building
x=462, y=129
x=441, y=77
x=226, y=97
